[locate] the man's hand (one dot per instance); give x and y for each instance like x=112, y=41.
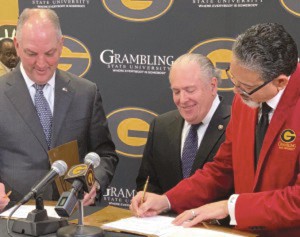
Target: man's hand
x=4, y=200
x=89, y=198
x=212, y=211
x=153, y=204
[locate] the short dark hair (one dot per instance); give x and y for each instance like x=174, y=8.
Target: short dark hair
x=268, y=49
x=5, y=40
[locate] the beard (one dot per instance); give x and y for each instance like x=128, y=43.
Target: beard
x=250, y=103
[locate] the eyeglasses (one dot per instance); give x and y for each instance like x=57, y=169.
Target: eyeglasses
x=235, y=83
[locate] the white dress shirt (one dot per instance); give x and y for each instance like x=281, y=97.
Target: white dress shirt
x=48, y=90
x=205, y=122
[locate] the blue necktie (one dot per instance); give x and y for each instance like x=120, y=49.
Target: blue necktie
x=43, y=111
x=189, y=151
x=261, y=129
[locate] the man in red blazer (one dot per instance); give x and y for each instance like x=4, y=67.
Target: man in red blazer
x=264, y=70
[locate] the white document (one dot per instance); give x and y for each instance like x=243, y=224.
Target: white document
x=161, y=226
x=23, y=211
x=157, y=225
x=199, y=232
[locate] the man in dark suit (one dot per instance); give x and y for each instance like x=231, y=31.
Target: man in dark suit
x=75, y=105
x=260, y=155
x=194, y=82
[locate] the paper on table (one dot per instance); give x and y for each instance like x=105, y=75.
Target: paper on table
x=194, y=232
x=161, y=226
x=23, y=211
x=153, y=226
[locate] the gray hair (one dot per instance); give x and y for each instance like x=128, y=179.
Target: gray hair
x=267, y=49
x=204, y=63
x=46, y=14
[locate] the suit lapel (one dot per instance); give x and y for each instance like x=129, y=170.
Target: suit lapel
x=280, y=116
x=174, y=136
x=63, y=97
x=213, y=133
x=17, y=92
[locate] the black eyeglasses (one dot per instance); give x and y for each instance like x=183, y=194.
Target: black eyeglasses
x=235, y=83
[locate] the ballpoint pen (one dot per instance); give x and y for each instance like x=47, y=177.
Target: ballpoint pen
x=145, y=190
x=8, y=194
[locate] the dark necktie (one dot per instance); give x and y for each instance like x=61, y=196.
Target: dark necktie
x=43, y=111
x=261, y=129
x=189, y=151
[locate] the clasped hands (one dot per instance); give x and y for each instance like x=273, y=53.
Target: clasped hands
x=155, y=204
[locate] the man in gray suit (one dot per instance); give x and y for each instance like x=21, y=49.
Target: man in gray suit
x=75, y=104
x=194, y=82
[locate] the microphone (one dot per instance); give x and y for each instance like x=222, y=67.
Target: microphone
x=58, y=168
x=82, y=177
x=92, y=158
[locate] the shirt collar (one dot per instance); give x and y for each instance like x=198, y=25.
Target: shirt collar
x=275, y=100
x=30, y=83
x=212, y=110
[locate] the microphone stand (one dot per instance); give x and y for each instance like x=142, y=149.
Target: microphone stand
x=37, y=222
x=80, y=230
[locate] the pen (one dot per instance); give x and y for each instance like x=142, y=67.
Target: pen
x=144, y=190
x=8, y=194
x=204, y=224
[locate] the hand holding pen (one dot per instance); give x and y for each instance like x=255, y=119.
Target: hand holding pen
x=145, y=190
x=146, y=204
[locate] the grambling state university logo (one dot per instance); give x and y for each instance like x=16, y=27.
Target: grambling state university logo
x=129, y=128
x=287, y=138
x=137, y=10
x=292, y=6
x=75, y=57
x=218, y=50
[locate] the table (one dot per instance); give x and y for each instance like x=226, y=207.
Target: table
x=97, y=215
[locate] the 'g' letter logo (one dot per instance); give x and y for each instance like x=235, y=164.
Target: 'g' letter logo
x=129, y=128
x=288, y=136
x=219, y=52
x=77, y=170
x=137, y=10
x=292, y=6
x=75, y=57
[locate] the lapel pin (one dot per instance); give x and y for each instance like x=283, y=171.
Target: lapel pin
x=65, y=89
x=220, y=127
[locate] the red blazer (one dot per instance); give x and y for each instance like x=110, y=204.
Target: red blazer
x=269, y=198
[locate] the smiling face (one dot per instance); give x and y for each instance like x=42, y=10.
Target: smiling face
x=39, y=49
x=193, y=94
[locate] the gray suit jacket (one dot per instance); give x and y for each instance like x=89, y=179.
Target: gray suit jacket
x=162, y=156
x=78, y=115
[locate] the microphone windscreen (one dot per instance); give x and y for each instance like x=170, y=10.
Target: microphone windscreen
x=60, y=167
x=92, y=158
